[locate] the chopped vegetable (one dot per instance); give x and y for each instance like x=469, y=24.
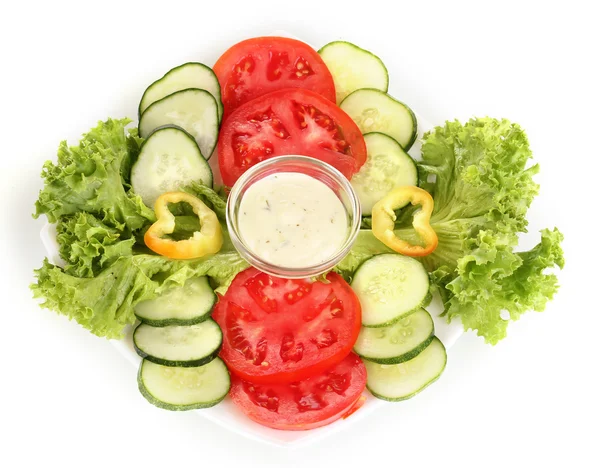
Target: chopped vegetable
x=107, y=270
x=384, y=218
x=208, y=240
x=482, y=191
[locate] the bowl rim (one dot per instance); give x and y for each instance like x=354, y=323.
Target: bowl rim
x=269, y=166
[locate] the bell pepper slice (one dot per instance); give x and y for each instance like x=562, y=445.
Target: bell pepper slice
x=208, y=240
x=383, y=218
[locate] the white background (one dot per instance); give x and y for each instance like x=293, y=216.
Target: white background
x=69, y=399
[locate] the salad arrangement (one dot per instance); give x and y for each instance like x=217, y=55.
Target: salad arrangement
x=141, y=227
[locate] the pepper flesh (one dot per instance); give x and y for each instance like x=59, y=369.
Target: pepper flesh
x=208, y=240
x=383, y=218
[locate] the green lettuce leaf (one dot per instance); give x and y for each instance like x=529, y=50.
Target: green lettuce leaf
x=92, y=177
x=104, y=304
x=100, y=223
x=88, y=245
x=482, y=187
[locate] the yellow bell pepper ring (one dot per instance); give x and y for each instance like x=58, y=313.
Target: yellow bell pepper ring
x=383, y=218
x=208, y=240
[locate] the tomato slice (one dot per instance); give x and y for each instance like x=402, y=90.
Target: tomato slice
x=307, y=404
x=279, y=330
x=289, y=121
x=260, y=65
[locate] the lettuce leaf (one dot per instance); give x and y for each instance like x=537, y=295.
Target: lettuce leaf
x=100, y=222
x=104, y=303
x=92, y=177
x=482, y=187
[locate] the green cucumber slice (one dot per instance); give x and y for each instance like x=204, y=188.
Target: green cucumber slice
x=179, y=346
x=376, y=111
x=353, y=68
x=184, y=388
x=399, y=342
x=194, y=110
x=187, y=305
x=399, y=382
x=169, y=159
x=387, y=166
x=189, y=75
x=389, y=287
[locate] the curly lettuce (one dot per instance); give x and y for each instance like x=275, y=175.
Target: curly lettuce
x=482, y=187
x=99, y=223
x=104, y=303
x=92, y=177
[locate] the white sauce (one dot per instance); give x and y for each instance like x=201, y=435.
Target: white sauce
x=292, y=220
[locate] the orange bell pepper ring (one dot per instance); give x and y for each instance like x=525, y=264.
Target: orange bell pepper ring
x=383, y=218
x=208, y=240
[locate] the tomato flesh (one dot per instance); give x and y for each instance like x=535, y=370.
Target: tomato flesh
x=306, y=404
x=281, y=330
x=289, y=121
x=261, y=65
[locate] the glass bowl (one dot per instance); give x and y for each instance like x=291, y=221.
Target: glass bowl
x=315, y=168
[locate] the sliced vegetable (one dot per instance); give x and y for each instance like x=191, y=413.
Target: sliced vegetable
x=384, y=217
x=387, y=166
x=305, y=404
x=398, y=382
x=278, y=330
x=376, y=111
x=261, y=65
x=194, y=110
x=204, y=242
x=398, y=342
x=389, y=287
x=289, y=121
x=186, y=305
x=184, y=388
x=178, y=346
x=169, y=159
x=186, y=76
x=353, y=68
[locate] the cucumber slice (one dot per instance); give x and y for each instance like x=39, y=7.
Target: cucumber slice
x=169, y=159
x=353, y=68
x=398, y=382
x=397, y=343
x=189, y=75
x=194, y=110
x=179, y=346
x=376, y=111
x=187, y=305
x=184, y=388
x=387, y=166
x=389, y=287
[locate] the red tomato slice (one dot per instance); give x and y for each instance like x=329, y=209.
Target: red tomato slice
x=279, y=330
x=307, y=404
x=289, y=121
x=260, y=65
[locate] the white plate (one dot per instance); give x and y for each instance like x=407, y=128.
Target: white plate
x=226, y=414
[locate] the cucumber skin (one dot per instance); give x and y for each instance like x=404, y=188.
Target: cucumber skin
x=172, y=125
x=387, y=74
x=176, y=321
x=162, y=78
x=165, y=127
x=165, y=362
x=399, y=317
x=167, y=406
x=413, y=137
x=407, y=397
x=402, y=358
x=424, y=303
